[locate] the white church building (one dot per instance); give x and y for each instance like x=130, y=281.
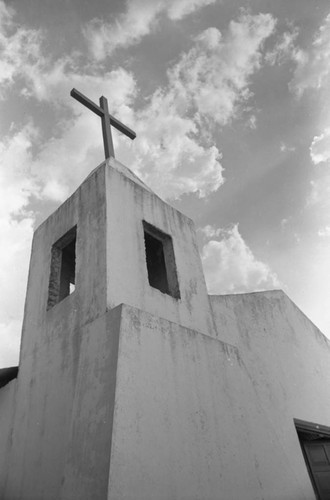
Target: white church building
x=135, y=384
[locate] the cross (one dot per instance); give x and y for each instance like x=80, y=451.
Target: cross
x=107, y=121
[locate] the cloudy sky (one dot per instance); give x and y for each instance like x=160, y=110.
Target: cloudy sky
x=231, y=104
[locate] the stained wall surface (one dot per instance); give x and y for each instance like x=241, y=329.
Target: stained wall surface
x=129, y=204
x=51, y=347
x=285, y=353
x=53, y=412
x=196, y=418
x=125, y=392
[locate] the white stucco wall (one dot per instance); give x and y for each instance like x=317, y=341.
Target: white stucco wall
x=51, y=343
x=197, y=419
x=190, y=399
x=52, y=406
x=286, y=354
x=87, y=456
x=128, y=204
x=287, y=360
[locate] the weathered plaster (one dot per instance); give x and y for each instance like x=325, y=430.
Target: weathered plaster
x=125, y=392
x=193, y=422
x=128, y=205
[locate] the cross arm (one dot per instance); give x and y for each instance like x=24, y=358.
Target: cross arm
x=122, y=128
x=87, y=102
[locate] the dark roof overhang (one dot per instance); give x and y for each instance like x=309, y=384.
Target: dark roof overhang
x=7, y=374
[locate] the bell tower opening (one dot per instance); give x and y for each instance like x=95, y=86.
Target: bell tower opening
x=160, y=261
x=62, y=277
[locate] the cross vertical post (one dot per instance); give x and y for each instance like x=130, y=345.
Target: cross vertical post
x=106, y=129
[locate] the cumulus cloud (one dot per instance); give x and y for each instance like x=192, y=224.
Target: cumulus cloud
x=324, y=232
x=60, y=162
x=320, y=147
x=174, y=152
x=214, y=75
x=169, y=155
x=318, y=203
x=285, y=49
x=19, y=48
x=313, y=70
x=207, y=86
x=138, y=20
x=252, y=122
x=230, y=266
x=17, y=185
x=76, y=137
x=65, y=160
x=22, y=58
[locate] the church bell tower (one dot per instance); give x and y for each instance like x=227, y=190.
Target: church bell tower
x=115, y=275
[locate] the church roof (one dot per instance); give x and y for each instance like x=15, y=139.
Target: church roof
x=115, y=164
x=8, y=374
